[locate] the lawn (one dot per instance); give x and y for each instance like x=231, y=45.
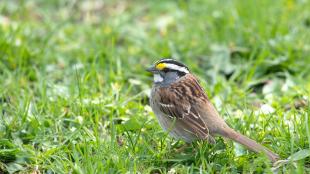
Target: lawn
x=74, y=90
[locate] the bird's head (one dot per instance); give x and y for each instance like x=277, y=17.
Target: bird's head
x=168, y=70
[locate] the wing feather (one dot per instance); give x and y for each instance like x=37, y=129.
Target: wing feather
x=177, y=102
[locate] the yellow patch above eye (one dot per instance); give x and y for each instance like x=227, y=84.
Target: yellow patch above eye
x=160, y=66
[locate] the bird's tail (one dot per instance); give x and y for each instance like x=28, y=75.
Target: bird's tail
x=249, y=143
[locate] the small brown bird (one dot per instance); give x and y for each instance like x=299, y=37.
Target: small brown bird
x=183, y=108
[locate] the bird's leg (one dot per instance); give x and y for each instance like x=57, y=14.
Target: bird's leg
x=182, y=148
x=211, y=139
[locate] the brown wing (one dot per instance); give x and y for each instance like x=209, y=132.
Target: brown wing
x=182, y=100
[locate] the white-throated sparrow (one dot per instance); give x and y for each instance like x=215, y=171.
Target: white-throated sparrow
x=183, y=108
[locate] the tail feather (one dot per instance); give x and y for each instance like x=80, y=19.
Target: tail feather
x=249, y=143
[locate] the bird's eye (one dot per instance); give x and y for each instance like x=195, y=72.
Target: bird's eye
x=165, y=70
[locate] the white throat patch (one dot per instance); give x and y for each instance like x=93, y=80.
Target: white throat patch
x=158, y=78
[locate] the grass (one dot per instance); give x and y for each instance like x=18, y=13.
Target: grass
x=74, y=93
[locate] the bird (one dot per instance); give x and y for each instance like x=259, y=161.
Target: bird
x=184, y=110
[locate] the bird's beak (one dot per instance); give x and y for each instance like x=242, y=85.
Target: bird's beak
x=151, y=69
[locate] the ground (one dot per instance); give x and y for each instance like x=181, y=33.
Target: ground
x=74, y=90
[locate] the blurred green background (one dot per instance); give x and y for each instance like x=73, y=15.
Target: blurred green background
x=74, y=93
